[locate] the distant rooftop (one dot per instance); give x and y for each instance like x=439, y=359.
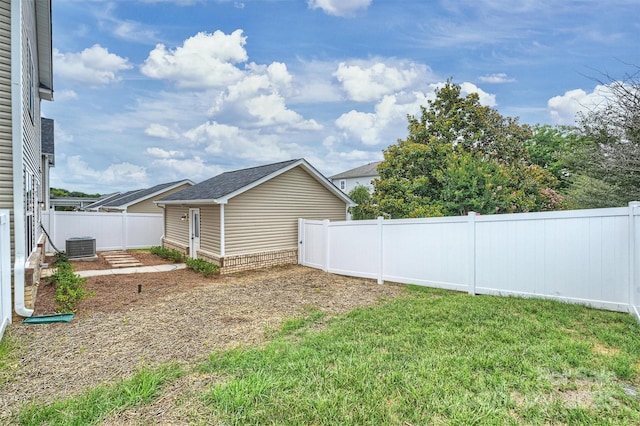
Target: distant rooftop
x=366, y=170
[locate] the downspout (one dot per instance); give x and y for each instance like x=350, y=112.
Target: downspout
x=19, y=243
x=222, y=232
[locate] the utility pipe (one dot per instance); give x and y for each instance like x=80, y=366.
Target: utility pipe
x=17, y=118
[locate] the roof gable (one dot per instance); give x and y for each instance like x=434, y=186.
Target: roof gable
x=220, y=189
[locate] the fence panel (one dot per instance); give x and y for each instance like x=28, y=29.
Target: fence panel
x=582, y=256
x=112, y=231
x=428, y=252
x=354, y=248
x=5, y=271
x=311, y=235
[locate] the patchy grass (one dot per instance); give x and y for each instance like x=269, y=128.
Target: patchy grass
x=8, y=358
x=434, y=357
x=95, y=404
x=440, y=358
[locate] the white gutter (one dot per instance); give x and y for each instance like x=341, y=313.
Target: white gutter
x=222, y=243
x=18, y=184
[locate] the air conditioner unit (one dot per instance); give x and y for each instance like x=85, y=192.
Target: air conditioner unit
x=81, y=247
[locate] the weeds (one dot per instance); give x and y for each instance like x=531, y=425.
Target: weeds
x=69, y=286
x=169, y=254
x=201, y=266
x=207, y=269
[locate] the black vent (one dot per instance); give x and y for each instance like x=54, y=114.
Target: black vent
x=81, y=247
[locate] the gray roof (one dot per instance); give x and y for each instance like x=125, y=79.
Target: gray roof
x=226, y=183
x=122, y=200
x=366, y=170
x=47, y=142
x=140, y=194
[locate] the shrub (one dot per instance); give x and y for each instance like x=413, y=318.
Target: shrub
x=60, y=257
x=69, y=287
x=165, y=253
x=202, y=266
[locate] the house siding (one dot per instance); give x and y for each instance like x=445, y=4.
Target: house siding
x=265, y=218
x=176, y=231
x=210, y=229
x=6, y=145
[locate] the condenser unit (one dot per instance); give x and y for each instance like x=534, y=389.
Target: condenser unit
x=81, y=247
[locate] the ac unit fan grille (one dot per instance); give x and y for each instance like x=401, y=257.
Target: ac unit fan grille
x=81, y=247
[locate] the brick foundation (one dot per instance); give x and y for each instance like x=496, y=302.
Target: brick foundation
x=248, y=262
x=243, y=262
x=172, y=245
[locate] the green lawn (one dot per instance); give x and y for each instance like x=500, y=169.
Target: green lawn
x=433, y=357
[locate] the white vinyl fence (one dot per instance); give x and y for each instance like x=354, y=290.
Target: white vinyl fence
x=5, y=271
x=582, y=256
x=112, y=231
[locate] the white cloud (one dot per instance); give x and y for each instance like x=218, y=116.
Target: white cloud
x=93, y=66
x=486, y=99
x=193, y=168
x=496, y=78
x=370, y=83
x=339, y=7
x=161, y=153
x=65, y=95
x=233, y=141
x=564, y=109
x=116, y=174
x=257, y=99
x=389, y=118
x=204, y=60
x=466, y=88
x=160, y=131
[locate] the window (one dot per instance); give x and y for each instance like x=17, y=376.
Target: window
x=343, y=184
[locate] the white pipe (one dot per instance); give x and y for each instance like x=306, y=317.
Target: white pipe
x=18, y=163
x=222, y=243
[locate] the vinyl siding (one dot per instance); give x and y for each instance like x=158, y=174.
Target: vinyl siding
x=6, y=151
x=175, y=229
x=210, y=229
x=265, y=218
x=148, y=206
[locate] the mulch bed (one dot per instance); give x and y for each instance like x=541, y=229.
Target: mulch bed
x=179, y=316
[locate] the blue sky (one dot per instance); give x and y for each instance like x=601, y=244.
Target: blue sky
x=152, y=91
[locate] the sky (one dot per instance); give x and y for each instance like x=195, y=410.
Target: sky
x=155, y=91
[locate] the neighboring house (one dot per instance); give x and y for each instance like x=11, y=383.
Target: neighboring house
x=26, y=77
x=362, y=175
x=140, y=200
x=247, y=219
x=48, y=160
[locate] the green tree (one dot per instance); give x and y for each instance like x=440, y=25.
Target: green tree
x=608, y=165
x=362, y=197
x=461, y=156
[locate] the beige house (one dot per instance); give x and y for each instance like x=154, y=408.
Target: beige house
x=247, y=219
x=26, y=78
x=140, y=200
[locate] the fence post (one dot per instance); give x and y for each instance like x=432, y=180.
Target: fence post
x=471, y=238
x=634, y=245
x=381, y=251
x=124, y=230
x=325, y=228
x=301, y=241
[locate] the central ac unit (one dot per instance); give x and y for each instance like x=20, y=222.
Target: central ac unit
x=81, y=247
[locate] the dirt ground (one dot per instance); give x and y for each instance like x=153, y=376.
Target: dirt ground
x=178, y=316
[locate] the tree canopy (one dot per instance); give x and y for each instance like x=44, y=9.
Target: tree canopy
x=607, y=165
x=461, y=156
